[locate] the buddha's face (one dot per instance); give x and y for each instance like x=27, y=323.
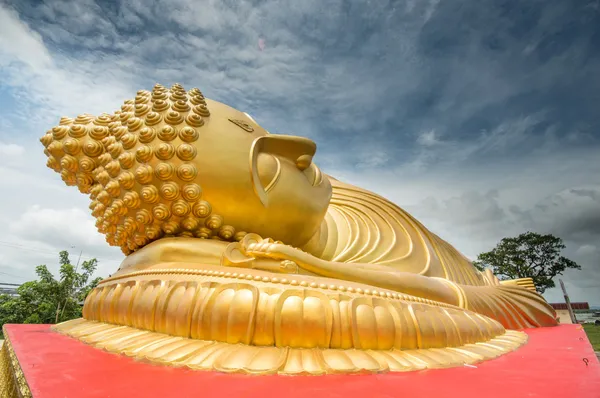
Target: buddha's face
x=171, y=163
x=261, y=182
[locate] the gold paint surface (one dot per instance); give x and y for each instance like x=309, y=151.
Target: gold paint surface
x=234, y=358
x=239, y=248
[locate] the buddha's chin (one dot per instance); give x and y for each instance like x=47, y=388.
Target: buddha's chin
x=210, y=317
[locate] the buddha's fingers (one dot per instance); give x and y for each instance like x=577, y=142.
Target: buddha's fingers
x=278, y=251
x=236, y=256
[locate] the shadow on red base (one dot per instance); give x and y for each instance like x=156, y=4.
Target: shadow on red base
x=551, y=364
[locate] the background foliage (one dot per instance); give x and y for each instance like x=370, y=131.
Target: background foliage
x=529, y=255
x=51, y=300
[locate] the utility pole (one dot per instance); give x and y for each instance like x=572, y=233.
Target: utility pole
x=57, y=312
x=571, y=313
x=70, y=290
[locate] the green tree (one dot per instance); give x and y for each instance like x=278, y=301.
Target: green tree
x=50, y=300
x=529, y=255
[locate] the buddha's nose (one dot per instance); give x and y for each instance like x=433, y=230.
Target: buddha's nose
x=303, y=162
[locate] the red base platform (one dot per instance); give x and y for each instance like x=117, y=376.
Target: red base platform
x=556, y=362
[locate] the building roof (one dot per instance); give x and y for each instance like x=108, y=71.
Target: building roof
x=575, y=306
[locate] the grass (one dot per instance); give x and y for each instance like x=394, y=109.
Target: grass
x=593, y=333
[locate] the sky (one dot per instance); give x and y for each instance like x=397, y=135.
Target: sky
x=481, y=118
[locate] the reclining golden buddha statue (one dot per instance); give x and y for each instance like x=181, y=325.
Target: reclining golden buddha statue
x=242, y=256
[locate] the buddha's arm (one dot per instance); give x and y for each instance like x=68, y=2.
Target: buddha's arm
x=371, y=274
x=292, y=260
x=515, y=307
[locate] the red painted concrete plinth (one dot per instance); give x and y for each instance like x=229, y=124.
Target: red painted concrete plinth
x=551, y=364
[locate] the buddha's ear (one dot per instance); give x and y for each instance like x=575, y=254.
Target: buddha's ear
x=299, y=150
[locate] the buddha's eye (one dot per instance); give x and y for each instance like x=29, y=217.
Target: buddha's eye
x=314, y=175
x=269, y=169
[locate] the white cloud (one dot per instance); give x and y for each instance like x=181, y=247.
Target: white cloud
x=61, y=227
x=11, y=150
x=435, y=149
x=427, y=138
x=19, y=42
x=43, y=232
x=586, y=250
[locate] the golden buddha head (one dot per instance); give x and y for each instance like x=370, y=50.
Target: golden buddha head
x=173, y=163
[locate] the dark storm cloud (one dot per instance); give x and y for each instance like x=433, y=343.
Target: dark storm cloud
x=370, y=70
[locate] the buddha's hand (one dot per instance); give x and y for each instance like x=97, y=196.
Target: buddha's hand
x=257, y=253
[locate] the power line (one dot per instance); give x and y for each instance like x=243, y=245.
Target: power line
x=26, y=248
x=18, y=246
x=7, y=274
x=21, y=247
